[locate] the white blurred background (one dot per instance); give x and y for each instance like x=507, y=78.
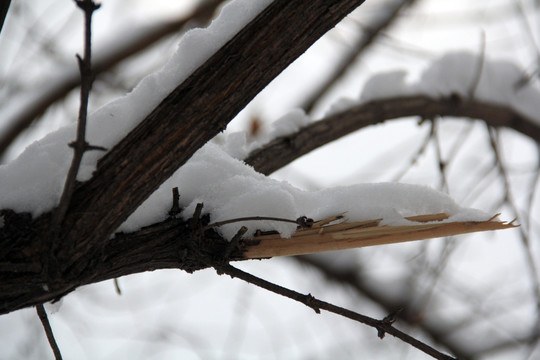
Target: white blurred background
x=473, y=296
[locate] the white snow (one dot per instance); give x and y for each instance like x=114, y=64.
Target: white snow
x=457, y=73
x=33, y=182
x=230, y=189
x=290, y=123
x=216, y=177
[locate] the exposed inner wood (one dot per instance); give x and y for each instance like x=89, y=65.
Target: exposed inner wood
x=327, y=235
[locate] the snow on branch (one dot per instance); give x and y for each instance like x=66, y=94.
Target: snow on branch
x=501, y=99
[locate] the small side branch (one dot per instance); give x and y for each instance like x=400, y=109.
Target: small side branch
x=80, y=146
x=383, y=326
x=48, y=331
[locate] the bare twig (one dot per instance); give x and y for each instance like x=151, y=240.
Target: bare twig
x=525, y=240
x=479, y=67
x=353, y=278
x=250, y=218
x=421, y=150
x=384, y=326
x=80, y=146
x=442, y=164
x=48, y=331
x=530, y=32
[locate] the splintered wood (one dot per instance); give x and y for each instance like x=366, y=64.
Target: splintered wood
x=335, y=234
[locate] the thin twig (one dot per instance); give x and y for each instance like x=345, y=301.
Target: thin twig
x=357, y=50
x=382, y=326
x=48, y=331
x=479, y=67
x=414, y=160
x=249, y=218
x=522, y=13
x=525, y=240
x=80, y=145
x=442, y=164
x=354, y=279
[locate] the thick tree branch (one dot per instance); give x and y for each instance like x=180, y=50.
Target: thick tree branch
x=156, y=247
x=286, y=149
x=191, y=115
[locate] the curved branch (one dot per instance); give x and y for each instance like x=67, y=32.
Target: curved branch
x=284, y=150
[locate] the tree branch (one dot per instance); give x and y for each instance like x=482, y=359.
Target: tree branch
x=191, y=115
x=354, y=280
x=80, y=146
x=382, y=326
x=286, y=149
x=156, y=247
x=48, y=331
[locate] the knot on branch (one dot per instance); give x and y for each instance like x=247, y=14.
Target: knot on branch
x=206, y=247
x=311, y=302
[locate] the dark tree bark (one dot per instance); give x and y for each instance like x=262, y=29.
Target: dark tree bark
x=193, y=113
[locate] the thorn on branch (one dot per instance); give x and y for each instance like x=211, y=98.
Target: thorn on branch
x=388, y=320
x=310, y=301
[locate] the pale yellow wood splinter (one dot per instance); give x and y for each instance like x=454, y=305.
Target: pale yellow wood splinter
x=331, y=234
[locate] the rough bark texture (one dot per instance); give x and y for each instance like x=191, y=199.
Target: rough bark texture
x=164, y=244
x=182, y=123
x=192, y=114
